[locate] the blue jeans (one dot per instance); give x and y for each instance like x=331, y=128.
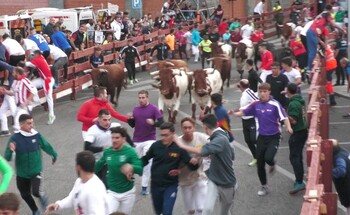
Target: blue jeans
x=164, y=198
x=312, y=42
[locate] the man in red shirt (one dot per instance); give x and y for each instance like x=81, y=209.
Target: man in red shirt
x=24, y=91
x=88, y=112
x=46, y=81
x=257, y=35
x=235, y=38
x=223, y=26
x=266, y=61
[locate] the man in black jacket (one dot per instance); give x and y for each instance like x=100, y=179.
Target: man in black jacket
x=129, y=61
x=162, y=50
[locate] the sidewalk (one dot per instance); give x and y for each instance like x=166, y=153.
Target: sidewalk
x=342, y=91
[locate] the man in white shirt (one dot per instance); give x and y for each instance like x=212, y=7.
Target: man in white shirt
x=14, y=49
x=28, y=45
x=248, y=122
x=60, y=59
x=259, y=9
x=116, y=27
x=292, y=74
x=247, y=30
x=188, y=36
x=303, y=33
x=89, y=195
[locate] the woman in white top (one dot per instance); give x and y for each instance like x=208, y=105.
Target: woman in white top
x=193, y=184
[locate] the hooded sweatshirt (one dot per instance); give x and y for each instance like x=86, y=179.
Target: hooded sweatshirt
x=296, y=110
x=28, y=152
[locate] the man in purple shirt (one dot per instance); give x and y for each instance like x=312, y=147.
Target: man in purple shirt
x=269, y=113
x=144, y=119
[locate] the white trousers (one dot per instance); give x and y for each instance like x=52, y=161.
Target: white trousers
x=193, y=196
x=7, y=104
x=225, y=196
x=19, y=112
x=142, y=148
x=121, y=202
x=84, y=134
x=264, y=74
x=48, y=89
x=195, y=52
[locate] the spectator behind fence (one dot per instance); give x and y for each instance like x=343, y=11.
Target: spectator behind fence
x=259, y=10
x=218, y=14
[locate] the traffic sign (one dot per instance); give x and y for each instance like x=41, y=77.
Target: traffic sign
x=136, y=4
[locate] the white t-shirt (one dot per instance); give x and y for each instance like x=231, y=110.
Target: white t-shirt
x=187, y=177
x=100, y=138
x=13, y=47
x=306, y=28
x=188, y=36
x=56, y=52
x=117, y=28
x=86, y=198
x=246, y=31
x=259, y=8
x=248, y=96
x=292, y=75
x=30, y=45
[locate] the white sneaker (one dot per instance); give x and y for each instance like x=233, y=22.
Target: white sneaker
x=51, y=119
x=136, y=81
x=263, y=190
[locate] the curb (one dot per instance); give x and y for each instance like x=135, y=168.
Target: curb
x=346, y=96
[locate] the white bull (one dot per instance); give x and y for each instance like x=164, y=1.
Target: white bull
x=172, y=86
x=205, y=83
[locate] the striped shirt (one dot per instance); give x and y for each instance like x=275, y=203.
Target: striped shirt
x=248, y=96
x=269, y=114
x=22, y=87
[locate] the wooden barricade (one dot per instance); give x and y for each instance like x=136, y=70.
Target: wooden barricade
x=319, y=198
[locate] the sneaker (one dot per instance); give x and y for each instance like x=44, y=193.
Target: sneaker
x=144, y=191
x=346, y=116
x=263, y=190
x=131, y=82
x=272, y=170
x=253, y=162
x=5, y=133
x=297, y=187
x=44, y=202
x=136, y=81
x=51, y=119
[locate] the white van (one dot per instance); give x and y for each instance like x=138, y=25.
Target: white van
x=15, y=24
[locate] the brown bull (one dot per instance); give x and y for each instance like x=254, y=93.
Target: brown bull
x=223, y=63
x=112, y=77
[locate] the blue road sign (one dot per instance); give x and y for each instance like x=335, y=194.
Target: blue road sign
x=136, y=4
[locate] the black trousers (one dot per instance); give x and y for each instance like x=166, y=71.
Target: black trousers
x=249, y=132
x=15, y=59
x=27, y=187
x=266, y=150
x=205, y=55
x=340, y=74
x=296, y=145
x=65, y=67
x=130, y=66
x=302, y=60
x=182, y=49
x=304, y=42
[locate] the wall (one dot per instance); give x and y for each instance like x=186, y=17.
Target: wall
x=96, y=4
x=11, y=7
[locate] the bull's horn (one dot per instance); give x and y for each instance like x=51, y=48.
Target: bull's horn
x=153, y=63
x=156, y=77
x=154, y=73
x=211, y=59
x=103, y=70
x=176, y=72
x=87, y=71
x=169, y=63
x=210, y=70
x=189, y=73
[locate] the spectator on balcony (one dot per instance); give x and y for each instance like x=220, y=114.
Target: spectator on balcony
x=259, y=10
x=341, y=174
x=218, y=14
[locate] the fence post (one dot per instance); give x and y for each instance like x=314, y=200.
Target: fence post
x=327, y=164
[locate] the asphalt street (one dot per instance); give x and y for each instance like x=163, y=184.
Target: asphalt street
x=65, y=136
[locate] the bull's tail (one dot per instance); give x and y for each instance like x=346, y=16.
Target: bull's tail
x=190, y=80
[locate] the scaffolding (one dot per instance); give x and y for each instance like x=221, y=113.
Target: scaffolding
x=189, y=10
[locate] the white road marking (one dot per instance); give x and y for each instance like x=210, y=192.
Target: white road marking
x=338, y=123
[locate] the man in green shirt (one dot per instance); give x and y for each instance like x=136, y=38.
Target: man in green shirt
x=205, y=48
x=122, y=162
x=27, y=144
x=296, y=115
x=235, y=24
